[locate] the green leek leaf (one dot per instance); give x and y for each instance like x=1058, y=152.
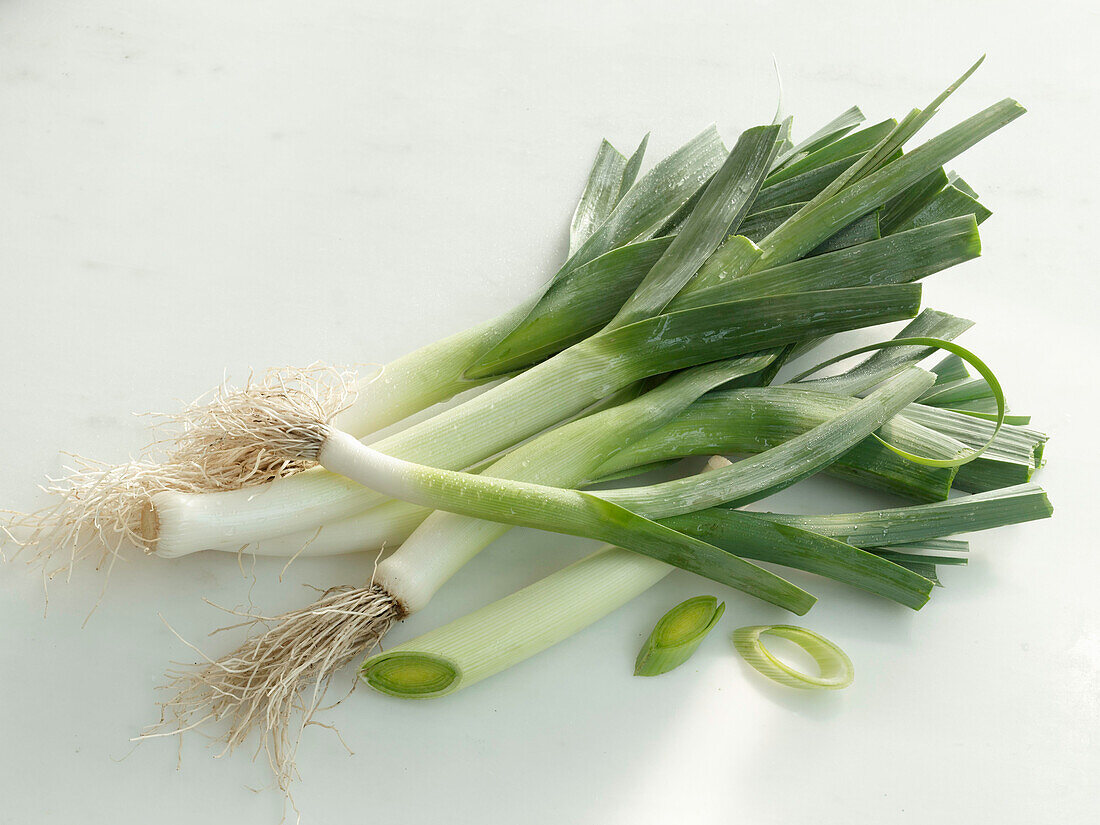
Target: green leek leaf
x=905, y=525
x=854, y=144
x=949, y=203
x=830, y=132
x=802, y=549
x=820, y=219
x=722, y=206
x=601, y=193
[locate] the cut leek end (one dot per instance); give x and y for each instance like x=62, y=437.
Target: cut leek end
x=678, y=635
x=836, y=669
x=411, y=674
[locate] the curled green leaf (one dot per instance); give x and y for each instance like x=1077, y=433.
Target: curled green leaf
x=970, y=358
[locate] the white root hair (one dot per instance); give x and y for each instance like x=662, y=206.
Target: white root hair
x=228, y=439
x=100, y=510
x=268, y=429
x=275, y=682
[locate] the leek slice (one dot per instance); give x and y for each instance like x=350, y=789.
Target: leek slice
x=836, y=668
x=678, y=635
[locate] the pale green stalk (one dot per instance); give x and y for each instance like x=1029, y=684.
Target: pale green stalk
x=741, y=421
x=549, y=508
x=506, y=632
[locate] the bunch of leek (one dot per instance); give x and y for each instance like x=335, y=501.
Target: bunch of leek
x=685, y=291
x=779, y=248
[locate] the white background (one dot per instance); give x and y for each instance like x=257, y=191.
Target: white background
x=195, y=187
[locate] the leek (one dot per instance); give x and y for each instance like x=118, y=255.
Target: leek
x=836, y=669
x=513, y=629
x=678, y=635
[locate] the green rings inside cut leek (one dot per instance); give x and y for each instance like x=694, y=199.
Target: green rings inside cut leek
x=677, y=635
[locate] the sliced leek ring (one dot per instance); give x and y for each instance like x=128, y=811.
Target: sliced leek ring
x=836, y=668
